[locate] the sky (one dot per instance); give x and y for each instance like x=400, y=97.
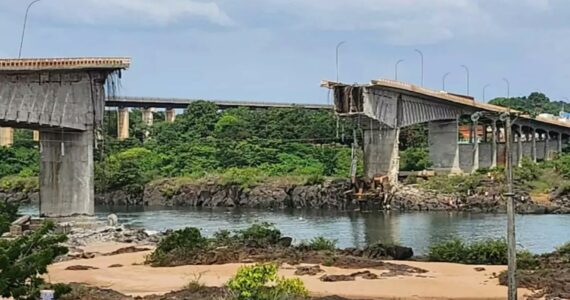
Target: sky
x=280, y=50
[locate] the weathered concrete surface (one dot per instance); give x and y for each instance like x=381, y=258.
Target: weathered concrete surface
x=123, y=123
x=381, y=153
x=6, y=136
x=443, y=146
x=66, y=173
x=170, y=115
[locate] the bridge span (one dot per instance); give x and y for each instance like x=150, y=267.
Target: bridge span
x=383, y=107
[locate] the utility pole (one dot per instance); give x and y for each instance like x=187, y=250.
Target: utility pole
x=467, y=73
x=337, y=50
x=511, y=237
x=396, y=68
x=422, y=62
x=443, y=80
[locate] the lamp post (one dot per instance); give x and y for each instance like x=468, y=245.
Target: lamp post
x=24, y=26
x=396, y=67
x=337, y=50
x=484, y=88
x=466, y=72
x=508, y=87
x=422, y=65
x=443, y=79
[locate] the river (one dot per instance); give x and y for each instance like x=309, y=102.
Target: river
x=419, y=230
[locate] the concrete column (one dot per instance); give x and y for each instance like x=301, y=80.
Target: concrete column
x=475, y=147
x=170, y=115
x=147, y=116
x=123, y=123
x=36, y=134
x=6, y=136
x=546, y=145
x=443, y=146
x=494, y=148
x=519, y=145
x=533, y=132
x=559, y=142
x=66, y=173
x=381, y=153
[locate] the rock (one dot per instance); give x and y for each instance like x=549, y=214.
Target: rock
x=80, y=268
x=479, y=269
x=285, y=242
x=130, y=249
x=115, y=266
x=381, y=251
x=365, y=275
x=112, y=220
x=308, y=270
x=335, y=278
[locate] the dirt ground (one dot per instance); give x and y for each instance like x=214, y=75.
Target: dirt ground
x=133, y=278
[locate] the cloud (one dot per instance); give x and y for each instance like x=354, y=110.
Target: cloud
x=135, y=12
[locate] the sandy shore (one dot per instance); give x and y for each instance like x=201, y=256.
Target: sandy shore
x=443, y=281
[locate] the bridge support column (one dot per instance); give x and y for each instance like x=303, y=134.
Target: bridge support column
x=547, y=146
x=170, y=115
x=6, y=136
x=123, y=123
x=475, y=132
x=519, y=145
x=381, y=153
x=66, y=173
x=559, y=136
x=443, y=146
x=533, y=134
x=147, y=116
x=36, y=135
x=494, y=150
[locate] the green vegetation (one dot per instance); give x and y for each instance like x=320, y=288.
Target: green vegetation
x=260, y=282
x=487, y=252
x=25, y=258
x=188, y=244
x=8, y=214
x=453, y=184
x=321, y=243
x=536, y=103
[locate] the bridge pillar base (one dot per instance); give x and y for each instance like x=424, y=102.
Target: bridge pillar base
x=443, y=146
x=381, y=153
x=6, y=136
x=123, y=124
x=170, y=115
x=66, y=173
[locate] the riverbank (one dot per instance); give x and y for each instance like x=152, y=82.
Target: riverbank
x=134, y=278
x=291, y=193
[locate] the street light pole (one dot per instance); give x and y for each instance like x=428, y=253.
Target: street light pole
x=422, y=63
x=508, y=87
x=337, y=49
x=396, y=67
x=484, y=88
x=467, y=72
x=511, y=237
x=443, y=79
x=24, y=26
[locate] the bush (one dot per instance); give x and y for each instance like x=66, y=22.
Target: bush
x=453, y=184
x=490, y=252
x=564, y=250
x=19, y=183
x=8, y=214
x=453, y=250
x=527, y=260
x=414, y=159
x=264, y=233
x=320, y=243
x=177, y=246
x=252, y=282
x=25, y=258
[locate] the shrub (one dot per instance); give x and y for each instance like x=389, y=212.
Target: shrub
x=178, y=245
x=527, y=260
x=414, y=159
x=252, y=282
x=490, y=252
x=564, y=250
x=453, y=184
x=25, y=258
x=320, y=243
x=453, y=250
x=8, y=213
x=264, y=233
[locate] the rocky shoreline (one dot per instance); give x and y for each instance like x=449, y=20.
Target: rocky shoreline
x=331, y=194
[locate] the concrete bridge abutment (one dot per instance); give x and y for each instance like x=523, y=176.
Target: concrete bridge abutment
x=381, y=153
x=170, y=114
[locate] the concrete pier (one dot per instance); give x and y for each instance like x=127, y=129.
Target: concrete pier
x=170, y=115
x=6, y=136
x=443, y=147
x=66, y=173
x=494, y=148
x=123, y=123
x=36, y=135
x=381, y=153
x=148, y=116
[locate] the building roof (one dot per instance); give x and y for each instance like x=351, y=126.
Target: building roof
x=78, y=63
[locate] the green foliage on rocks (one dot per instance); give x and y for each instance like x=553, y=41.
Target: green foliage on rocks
x=321, y=243
x=8, y=214
x=453, y=184
x=25, y=258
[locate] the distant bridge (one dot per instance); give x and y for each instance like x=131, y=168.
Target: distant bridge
x=173, y=103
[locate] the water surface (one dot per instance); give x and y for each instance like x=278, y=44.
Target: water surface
x=419, y=230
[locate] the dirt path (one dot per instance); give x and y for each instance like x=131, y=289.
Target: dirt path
x=443, y=281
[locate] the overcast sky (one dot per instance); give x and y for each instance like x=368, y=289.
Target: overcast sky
x=279, y=50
